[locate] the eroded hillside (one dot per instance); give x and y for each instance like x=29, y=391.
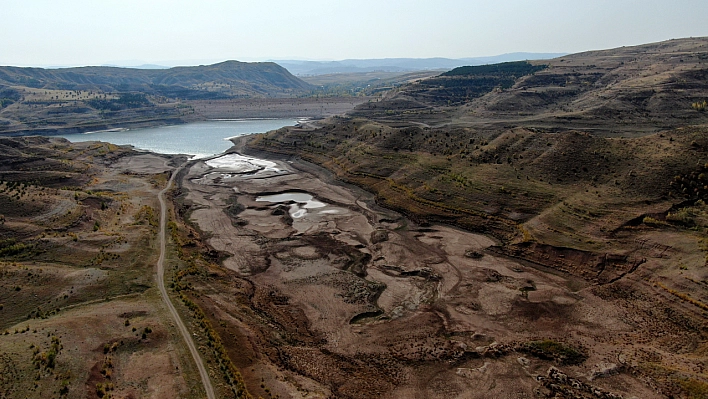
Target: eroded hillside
x=627, y=91
x=80, y=315
x=47, y=101
x=592, y=168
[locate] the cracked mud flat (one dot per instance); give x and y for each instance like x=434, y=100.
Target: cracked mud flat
x=345, y=299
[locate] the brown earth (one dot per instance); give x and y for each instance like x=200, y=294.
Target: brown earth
x=629, y=91
x=591, y=171
x=546, y=239
x=79, y=312
x=352, y=300
x=49, y=112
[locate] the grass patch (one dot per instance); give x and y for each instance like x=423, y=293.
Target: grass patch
x=694, y=389
x=12, y=248
x=683, y=296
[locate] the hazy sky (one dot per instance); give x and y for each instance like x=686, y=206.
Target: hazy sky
x=94, y=32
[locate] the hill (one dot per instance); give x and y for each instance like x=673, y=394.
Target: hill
x=45, y=101
x=505, y=143
x=589, y=166
x=625, y=91
x=364, y=84
x=587, y=174
x=225, y=79
x=511, y=143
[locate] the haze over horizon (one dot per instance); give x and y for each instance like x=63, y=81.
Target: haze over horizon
x=82, y=32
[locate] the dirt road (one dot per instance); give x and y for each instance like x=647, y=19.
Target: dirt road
x=161, y=285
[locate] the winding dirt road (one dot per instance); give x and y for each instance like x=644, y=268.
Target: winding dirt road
x=161, y=285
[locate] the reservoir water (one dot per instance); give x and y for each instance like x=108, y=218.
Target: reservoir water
x=200, y=139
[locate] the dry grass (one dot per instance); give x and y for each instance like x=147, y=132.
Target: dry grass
x=77, y=276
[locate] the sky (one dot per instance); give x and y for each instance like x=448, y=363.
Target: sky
x=189, y=32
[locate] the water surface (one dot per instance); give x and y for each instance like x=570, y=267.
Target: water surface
x=200, y=139
x=303, y=202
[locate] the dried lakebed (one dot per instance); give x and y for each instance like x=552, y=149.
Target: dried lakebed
x=338, y=297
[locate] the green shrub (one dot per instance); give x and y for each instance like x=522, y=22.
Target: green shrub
x=648, y=220
x=553, y=350
x=682, y=216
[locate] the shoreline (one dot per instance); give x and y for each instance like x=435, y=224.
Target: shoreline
x=202, y=139
x=189, y=111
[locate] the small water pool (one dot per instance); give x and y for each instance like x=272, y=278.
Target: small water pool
x=303, y=202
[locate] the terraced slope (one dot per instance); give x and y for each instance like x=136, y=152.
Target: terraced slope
x=619, y=92
x=592, y=168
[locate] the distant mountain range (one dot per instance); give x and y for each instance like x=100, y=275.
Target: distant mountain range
x=310, y=68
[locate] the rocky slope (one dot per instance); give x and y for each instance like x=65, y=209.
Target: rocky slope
x=591, y=167
x=619, y=92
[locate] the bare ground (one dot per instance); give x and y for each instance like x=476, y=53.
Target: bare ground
x=80, y=316
x=351, y=300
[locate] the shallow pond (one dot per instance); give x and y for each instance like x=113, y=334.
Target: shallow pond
x=303, y=202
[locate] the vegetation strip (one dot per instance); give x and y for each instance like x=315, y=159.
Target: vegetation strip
x=231, y=374
x=161, y=285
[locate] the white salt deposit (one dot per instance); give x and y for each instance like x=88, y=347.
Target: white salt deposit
x=330, y=212
x=298, y=213
x=240, y=164
x=312, y=204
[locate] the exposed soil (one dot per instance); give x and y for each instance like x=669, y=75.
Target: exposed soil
x=590, y=175
x=543, y=237
x=49, y=112
x=351, y=300
x=79, y=314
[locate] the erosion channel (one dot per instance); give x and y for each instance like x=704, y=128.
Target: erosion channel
x=322, y=293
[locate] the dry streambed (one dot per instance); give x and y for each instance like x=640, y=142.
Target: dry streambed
x=349, y=299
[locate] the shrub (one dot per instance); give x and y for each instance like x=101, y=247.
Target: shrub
x=648, y=220
x=700, y=106
x=553, y=350
x=683, y=216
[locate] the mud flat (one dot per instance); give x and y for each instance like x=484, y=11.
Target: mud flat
x=325, y=294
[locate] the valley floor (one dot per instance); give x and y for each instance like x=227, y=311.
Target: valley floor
x=346, y=299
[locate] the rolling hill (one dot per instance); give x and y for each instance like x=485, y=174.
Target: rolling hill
x=562, y=152
x=225, y=79
x=590, y=166
x=46, y=101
